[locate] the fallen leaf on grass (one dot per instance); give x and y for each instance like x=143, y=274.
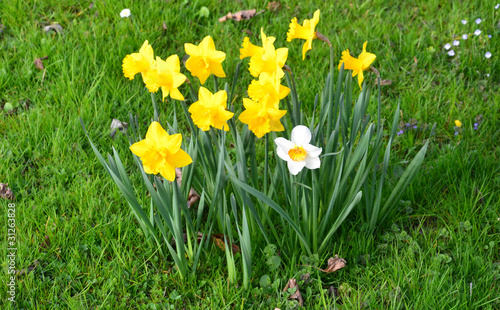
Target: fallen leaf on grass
x=46, y=243
x=39, y=62
x=292, y=283
x=55, y=27
x=217, y=239
x=238, y=16
x=6, y=192
x=383, y=82
x=29, y=269
x=193, y=196
x=334, y=264
x=117, y=124
x=274, y=6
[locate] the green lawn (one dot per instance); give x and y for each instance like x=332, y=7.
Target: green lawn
x=78, y=245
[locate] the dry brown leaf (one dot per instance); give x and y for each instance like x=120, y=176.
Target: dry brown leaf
x=383, y=82
x=55, y=27
x=238, y=16
x=46, y=243
x=217, y=239
x=274, y=6
x=6, y=192
x=39, y=62
x=193, y=196
x=334, y=264
x=291, y=284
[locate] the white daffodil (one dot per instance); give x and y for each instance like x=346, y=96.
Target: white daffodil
x=298, y=153
x=125, y=13
x=447, y=46
x=456, y=43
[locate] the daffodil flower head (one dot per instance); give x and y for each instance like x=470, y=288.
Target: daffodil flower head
x=248, y=49
x=140, y=62
x=267, y=85
x=270, y=60
x=357, y=65
x=306, y=32
x=262, y=116
x=204, y=59
x=160, y=152
x=210, y=110
x=298, y=153
x=167, y=76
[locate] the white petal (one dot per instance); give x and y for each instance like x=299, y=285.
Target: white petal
x=451, y=53
x=125, y=13
x=447, y=46
x=487, y=55
x=301, y=135
x=489, y=36
x=456, y=43
x=477, y=32
x=296, y=166
x=312, y=150
x=478, y=21
x=312, y=162
x=487, y=75
x=283, y=146
x=464, y=37
x=497, y=6
x=464, y=21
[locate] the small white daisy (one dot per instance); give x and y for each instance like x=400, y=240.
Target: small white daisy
x=487, y=55
x=478, y=21
x=464, y=37
x=456, y=42
x=447, y=46
x=464, y=21
x=487, y=75
x=451, y=53
x=497, y=6
x=125, y=13
x=477, y=32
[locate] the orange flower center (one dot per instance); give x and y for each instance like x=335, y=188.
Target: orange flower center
x=297, y=154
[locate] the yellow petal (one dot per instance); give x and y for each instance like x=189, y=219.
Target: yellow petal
x=172, y=143
x=151, y=80
x=156, y=133
x=142, y=147
x=192, y=50
x=176, y=94
x=167, y=171
x=180, y=159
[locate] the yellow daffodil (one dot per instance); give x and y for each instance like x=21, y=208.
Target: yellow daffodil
x=160, y=152
x=267, y=85
x=357, y=65
x=262, y=116
x=139, y=62
x=167, y=76
x=306, y=32
x=210, y=110
x=204, y=59
x=458, y=123
x=249, y=50
x=269, y=61
x=297, y=152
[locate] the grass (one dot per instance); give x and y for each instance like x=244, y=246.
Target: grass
x=78, y=245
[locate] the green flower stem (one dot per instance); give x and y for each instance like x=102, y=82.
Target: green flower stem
x=315, y=205
x=155, y=107
x=330, y=94
x=216, y=84
x=266, y=162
